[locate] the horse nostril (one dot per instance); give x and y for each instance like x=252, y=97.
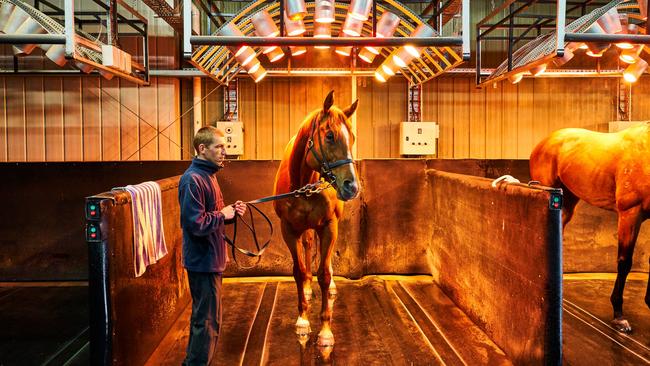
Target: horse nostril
x=349, y=186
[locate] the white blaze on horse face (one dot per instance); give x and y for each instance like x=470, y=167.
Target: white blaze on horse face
x=351, y=176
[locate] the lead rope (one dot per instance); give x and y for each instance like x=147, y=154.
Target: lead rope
x=306, y=191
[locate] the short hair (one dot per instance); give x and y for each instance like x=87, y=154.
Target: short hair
x=206, y=136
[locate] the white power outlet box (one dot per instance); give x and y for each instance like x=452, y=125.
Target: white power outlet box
x=233, y=136
x=616, y=126
x=418, y=138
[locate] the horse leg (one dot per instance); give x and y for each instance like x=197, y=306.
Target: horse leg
x=327, y=235
x=308, y=244
x=628, y=228
x=299, y=274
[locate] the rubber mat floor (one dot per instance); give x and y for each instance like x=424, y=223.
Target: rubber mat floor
x=378, y=320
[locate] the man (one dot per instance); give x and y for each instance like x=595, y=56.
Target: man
x=203, y=217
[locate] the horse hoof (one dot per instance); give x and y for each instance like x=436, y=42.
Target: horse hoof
x=325, y=339
x=302, y=327
x=303, y=339
x=622, y=325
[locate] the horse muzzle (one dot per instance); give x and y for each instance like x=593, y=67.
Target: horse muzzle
x=348, y=190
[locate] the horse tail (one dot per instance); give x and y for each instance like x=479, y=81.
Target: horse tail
x=543, y=162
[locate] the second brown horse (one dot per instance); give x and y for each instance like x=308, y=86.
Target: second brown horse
x=607, y=170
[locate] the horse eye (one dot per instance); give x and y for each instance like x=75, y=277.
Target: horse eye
x=330, y=136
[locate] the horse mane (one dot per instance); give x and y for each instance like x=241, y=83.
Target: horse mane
x=297, y=176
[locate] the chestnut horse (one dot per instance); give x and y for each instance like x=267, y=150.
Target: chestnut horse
x=607, y=170
x=321, y=148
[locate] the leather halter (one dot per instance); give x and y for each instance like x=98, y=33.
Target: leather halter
x=325, y=166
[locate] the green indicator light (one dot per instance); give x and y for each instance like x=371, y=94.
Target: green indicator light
x=93, y=229
x=556, y=199
x=92, y=207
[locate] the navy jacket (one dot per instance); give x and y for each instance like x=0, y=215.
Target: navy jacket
x=199, y=195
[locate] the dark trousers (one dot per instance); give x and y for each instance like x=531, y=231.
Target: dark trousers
x=206, y=317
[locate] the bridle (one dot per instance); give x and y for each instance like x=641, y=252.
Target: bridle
x=325, y=166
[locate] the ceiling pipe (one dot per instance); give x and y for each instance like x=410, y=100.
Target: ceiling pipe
x=334, y=41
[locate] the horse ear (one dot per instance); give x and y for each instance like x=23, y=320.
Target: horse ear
x=349, y=111
x=329, y=101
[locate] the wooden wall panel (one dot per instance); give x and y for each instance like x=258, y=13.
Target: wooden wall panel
x=169, y=117
x=213, y=104
x=34, y=118
x=148, y=121
x=4, y=131
x=54, y=143
x=430, y=101
x=91, y=119
x=15, y=89
x=381, y=124
x=525, y=119
x=281, y=118
x=640, y=100
x=111, y=117
x=175, y=130
x=446, y=118
x=248, y=115
x=397, y=97
x=298, y=102
x=461, y=118
x=541, y=105
x=509, y=99
x=476, y=122
x=264, y=120
x=129, y=121
x=72, y=119
x=365, y=124
x=493, y=119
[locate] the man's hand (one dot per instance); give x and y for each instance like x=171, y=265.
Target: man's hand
x=238, y=208
x=228, y=212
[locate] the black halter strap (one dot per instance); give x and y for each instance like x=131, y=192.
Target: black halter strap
x=325, y=166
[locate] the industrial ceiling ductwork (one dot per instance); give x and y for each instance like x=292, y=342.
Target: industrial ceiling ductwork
x=26, y=28
x=386, y=36
x=622, y=23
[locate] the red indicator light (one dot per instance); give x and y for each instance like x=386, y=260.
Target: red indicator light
x=93, y=235
x=92, y=213
x=556, y=205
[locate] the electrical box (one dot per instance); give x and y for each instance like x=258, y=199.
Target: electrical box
x=616, y=126
x=418, y=138
x=233, y=136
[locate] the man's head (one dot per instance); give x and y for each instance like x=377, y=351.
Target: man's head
x=209, y=145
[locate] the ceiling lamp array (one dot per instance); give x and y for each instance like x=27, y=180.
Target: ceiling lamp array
x=360, y=9
x=403, y=56
x=245, y=55
x=296, y=9
x=325, y=19
x=324, y=11
x=322, y=30
x=353, y=25
x=385, y=28
x=610, y=22
x=633, y=72
x=265, y=27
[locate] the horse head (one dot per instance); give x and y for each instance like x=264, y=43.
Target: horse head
x=330, y=145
